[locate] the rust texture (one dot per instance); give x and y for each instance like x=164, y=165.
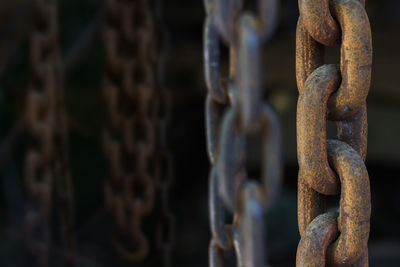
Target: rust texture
x=234, y=110
x=329, y=167
x=135, y=138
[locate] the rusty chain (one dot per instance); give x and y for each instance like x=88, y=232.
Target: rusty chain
x=234, y=112
x=46, y=163
x=330, y=167
x=135, y=137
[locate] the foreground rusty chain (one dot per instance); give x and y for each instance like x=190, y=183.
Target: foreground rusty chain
x=235, y=111
x=135, y=137
x=46, y=163
x=330, y=167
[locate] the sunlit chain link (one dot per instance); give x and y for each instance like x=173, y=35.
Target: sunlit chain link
x=330, y=167
x=235, y=111
x=129, y=138
x=165, y=225
x=46, y=160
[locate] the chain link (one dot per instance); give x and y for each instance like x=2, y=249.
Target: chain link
x=330, y=167
x=46, y=163
x=135, y=138
x=235, y=111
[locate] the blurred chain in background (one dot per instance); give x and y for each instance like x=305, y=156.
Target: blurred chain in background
x=135, y=140
x=330, y=167
x=46, y=164
x=235, y=111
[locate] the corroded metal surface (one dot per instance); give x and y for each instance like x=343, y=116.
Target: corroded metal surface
x=235, y=110
x=329, y=167
x=311, y=129
x=355, y=62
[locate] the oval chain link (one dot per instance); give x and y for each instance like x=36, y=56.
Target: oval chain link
x=234, y=110
x=329, y=167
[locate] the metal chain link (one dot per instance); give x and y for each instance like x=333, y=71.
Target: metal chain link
x=130, y=136
x=330, y=167
x=235, y=110
x=46, y=160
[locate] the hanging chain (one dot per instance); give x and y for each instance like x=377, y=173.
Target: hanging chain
x=235, y=110
x=130, y=137
x=46, y=161
x=330, y=167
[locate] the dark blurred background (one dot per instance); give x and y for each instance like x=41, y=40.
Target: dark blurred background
x=83, y=66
